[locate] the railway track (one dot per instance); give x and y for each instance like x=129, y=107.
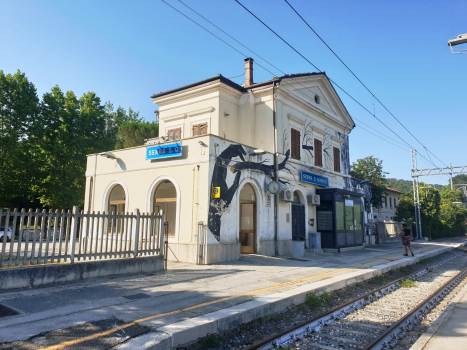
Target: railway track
x=380, y=319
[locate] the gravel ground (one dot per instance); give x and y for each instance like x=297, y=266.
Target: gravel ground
x=379, y=314
x=246, y=334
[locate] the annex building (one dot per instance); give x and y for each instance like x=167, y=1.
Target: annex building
x=255, y=166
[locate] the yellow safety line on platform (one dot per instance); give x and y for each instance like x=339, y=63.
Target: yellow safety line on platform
x=150, y=318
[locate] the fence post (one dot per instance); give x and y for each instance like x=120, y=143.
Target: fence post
x=74, y=232
x=161, y=233
x=136, y=241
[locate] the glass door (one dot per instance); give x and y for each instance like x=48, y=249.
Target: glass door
x=247, y=228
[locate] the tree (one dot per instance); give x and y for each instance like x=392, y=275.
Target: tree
x=459, y=179
x=131, y=134
x=440, y=217
x=453, y=215
x=113, y=121
x=68, y=129
x=371, y=168
x=19, y=106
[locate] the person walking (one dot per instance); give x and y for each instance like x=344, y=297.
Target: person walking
x=406, y=239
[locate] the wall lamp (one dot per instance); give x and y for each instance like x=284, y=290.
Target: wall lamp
x=202, y=144
x=257, y=152
x=108, y=155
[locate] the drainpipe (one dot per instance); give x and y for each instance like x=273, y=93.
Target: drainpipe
x=276, y=198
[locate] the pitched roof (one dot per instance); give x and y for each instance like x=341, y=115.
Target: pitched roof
x=229, y=82
x=393, y=190
x=242, y=88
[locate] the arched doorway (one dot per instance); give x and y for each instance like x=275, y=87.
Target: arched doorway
x=165, y=197
x=247, y=234
x=117, y=200
x=298, y=218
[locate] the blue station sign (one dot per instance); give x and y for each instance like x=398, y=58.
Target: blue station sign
x=314, y=179
x=164, y=151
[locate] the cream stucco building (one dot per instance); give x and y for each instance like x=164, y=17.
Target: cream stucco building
x=221, y=146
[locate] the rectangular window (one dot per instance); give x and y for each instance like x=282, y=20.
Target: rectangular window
x=174, y=134
x=386, y=202
x=295, y=144
x=390, y=202
x=200, y=129
x=337, y=160
x=318, y=153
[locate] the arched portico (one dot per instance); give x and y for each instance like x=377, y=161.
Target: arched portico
x=249, y=202
x=115, y=197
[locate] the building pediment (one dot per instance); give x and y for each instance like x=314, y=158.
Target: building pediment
x=315, y=93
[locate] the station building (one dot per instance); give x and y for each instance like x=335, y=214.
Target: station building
x=255, y=165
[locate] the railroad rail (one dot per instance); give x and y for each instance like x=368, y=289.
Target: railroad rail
x=377, y=320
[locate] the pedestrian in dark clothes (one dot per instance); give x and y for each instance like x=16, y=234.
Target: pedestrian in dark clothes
x=406, y=239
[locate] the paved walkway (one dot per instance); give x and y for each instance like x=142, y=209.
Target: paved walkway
x=449, y=331
x=182, y=286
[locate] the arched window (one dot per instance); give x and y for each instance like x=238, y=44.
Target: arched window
x=117, y=200
x=165, y=197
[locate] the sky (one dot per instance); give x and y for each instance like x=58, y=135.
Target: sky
x=125, y=51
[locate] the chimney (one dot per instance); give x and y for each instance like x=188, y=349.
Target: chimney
x=248, y=71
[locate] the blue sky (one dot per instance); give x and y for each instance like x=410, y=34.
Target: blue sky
x=127, y=50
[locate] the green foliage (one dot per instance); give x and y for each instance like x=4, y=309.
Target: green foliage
x=405, y=185
x=371, y=168
x=453, y=216
x=459, y=179
x=43, y=144
x=18, y=111
x=313, y=300
x=407, y=283
x=439, y=215
x=425, y=260
x=133, y=133
x=209, y=341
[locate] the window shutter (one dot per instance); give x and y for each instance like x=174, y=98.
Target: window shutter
x=170, y=135
x=177, y=134
x=318, y=153
x=203, y=129
x=295, y=144
x=196, y=130
x=337, y=160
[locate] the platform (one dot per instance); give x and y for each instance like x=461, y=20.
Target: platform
x=449, y=331
x=189, y=301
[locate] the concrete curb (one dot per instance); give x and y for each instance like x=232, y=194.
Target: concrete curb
x=188, y=330
x=426, y=337
x=45, y=275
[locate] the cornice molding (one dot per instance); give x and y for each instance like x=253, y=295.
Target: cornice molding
x=200, y=111
x=318, y=130
x=337, y=140
x=197, y=91
x=174, y=117
x=297, y=120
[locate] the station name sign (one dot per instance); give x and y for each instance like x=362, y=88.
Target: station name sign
x=314, y=179
x=164, y=151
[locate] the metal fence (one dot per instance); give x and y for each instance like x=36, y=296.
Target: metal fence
x=41, y=237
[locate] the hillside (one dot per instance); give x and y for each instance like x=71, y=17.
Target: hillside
x=404, y=185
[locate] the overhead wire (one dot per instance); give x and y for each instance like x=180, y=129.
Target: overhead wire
x=255, y=53
x=262, y=58
x=337, y=56
x=332, y=81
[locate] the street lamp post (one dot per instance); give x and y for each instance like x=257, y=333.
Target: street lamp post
x=458, y=40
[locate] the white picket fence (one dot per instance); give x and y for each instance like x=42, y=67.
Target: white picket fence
x=58, y=236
